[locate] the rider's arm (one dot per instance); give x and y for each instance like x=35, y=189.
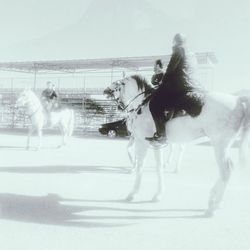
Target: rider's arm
x=54, y=95
x=175, y=60
x=153, y=80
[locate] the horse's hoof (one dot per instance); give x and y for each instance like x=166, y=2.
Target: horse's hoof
x=209, y=213
x=175, y=171
x=61, y=145
x=132, y=170
x=133, y=163
x=165, y=165
x=157, y=198
x=130, y=198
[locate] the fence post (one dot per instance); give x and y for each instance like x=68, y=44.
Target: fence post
x=12, y=103
x=59, y=84
x=35, y=72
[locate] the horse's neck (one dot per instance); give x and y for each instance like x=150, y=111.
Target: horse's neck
x=141, y=123
x=33, y=105
x=135, y=101
x=143, y=113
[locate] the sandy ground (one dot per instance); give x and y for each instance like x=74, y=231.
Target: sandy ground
x=73, y=198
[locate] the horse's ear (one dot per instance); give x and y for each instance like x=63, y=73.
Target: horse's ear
x=27, y=87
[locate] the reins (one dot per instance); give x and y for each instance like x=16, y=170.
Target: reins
x=133, y=101
x=145, y=100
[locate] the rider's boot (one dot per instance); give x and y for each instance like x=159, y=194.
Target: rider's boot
x=160, y=134
x=160, y=123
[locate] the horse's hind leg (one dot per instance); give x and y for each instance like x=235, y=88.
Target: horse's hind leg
x=160, y=174
x=225, y=168
x=140, y=153
x=63, y=134
x=244, y=147
x=39, y=131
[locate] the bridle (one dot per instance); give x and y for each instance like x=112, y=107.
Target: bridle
x=125, y=107
x=131, y=101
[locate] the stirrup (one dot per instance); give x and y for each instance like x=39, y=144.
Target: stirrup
x=158, y=144
x=157, y=138
x=151, y=138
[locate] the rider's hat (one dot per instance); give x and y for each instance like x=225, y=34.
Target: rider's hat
x=179, y=39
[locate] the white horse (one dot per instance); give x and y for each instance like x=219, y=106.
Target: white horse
x=63, y=118
x=221, y=119
x=172, y=160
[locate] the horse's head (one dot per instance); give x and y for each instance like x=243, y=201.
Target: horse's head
x=128, y=91
x=24, y=98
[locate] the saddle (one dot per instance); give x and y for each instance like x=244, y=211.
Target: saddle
x=189, y=104
x=169, y=115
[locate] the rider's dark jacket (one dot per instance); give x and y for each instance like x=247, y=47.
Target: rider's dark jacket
x=175, y=84
x=157, y=78
x=177, y=78
x=48, y=97
x=174, y=91
x=49, y=94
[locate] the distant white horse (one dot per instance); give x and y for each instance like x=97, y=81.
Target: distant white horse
x=63, y=118
x=221, y=119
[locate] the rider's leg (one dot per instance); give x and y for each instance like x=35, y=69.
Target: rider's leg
x=191, y=103
x=157, y=108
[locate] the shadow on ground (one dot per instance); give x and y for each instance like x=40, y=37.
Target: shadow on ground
x=60, y=169
x=52, y=210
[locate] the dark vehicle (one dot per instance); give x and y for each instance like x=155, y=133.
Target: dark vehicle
x=113, y=129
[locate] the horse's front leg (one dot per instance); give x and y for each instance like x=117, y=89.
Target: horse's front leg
x=179, y=156
x=63, y=135
x=160, y=174
x=130, y=149
x=140, y=153
x=64, y=139
x=170, y=156
x=30, y=132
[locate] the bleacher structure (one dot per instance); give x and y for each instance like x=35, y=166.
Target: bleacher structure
x=89, y=112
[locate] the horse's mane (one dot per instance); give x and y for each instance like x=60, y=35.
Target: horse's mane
x=32, y=95
x=143, y=84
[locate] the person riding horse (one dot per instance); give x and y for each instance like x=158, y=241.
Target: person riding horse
x=175, y=93
x=158, y=75
x=49, y=97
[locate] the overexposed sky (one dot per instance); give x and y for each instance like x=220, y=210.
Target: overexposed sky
x=28, y=19
x=63, y=29
x=22, y=20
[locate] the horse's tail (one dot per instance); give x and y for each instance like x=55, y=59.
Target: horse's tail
x=71, y=123
x=245, y=132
